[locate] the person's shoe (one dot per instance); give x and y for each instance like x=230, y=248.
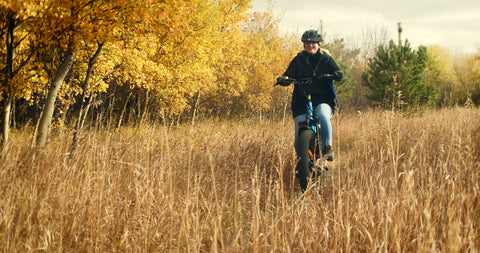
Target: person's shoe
x=328, y=153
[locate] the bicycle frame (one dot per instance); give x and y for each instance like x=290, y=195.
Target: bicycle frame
x=311, y=164
x=311, y=123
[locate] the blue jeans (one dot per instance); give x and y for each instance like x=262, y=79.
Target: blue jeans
x=323, y=112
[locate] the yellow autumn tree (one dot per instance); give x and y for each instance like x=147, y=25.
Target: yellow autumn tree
x=440, y=72
x=65, y=26
x=168, y=57
x=62, y=25
x=15, y=54
x=268, y=53
x=172, y=62
x=230, y=61
x=188, y=57
x=467, y=70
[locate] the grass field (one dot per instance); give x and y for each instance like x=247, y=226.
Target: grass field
x=408, y=184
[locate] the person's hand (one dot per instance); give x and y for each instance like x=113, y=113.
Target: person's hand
x=284, y=81
x=338, y=75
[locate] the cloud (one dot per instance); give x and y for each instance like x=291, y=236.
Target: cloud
x=451, y=24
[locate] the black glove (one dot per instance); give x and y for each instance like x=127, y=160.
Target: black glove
x=338, y=75
x=284, y=81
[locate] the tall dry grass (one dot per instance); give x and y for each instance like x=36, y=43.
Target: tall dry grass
x=398, y=184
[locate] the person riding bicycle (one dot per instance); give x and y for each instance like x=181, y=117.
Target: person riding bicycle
x=313, y=62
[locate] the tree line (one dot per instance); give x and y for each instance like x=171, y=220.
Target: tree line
x=71, y=63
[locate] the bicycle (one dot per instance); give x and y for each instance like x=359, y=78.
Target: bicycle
x=311, y=165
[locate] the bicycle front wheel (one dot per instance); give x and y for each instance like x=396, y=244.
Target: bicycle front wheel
x=304, y=163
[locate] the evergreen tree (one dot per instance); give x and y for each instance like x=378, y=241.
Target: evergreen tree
x=397, y=78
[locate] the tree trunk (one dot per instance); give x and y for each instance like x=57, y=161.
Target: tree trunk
x=47, y=114
x=82, y=112
x=195, y=107
x=12, y=23
x=284, y=112
x=123, y=110
x=91, y=62
x=145, y=107
x=85, y=111
x=6, y=112
x=8, y=95
x=109, y=109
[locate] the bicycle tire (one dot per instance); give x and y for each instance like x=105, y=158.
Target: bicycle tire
x=304, y=163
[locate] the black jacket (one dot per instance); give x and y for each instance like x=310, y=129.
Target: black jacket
x=323, y=91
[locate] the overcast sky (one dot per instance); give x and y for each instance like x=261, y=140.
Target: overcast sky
x=453, y=24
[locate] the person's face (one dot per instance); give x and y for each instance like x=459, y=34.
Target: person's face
x=311, y=47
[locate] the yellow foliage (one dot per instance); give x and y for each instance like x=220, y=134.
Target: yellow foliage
x=173, y=49
x=440, y=64
x=467, y=70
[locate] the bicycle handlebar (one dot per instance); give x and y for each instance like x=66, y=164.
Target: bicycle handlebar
x=306, y=80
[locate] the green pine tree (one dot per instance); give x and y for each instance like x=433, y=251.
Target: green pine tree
x=397, y=78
